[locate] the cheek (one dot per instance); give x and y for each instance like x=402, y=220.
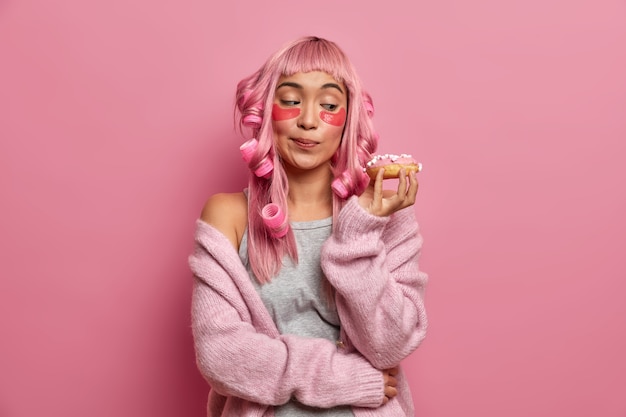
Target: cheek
x=279, y=113
x=335, y=119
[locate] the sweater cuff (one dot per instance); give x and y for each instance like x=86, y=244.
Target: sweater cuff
x=369, y=386
x=354, y=221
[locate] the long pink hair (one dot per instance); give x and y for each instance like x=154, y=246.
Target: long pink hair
x=268, y=187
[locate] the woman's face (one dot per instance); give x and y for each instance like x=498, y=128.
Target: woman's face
x=308, y=117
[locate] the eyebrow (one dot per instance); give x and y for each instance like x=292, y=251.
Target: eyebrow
x=298, y=86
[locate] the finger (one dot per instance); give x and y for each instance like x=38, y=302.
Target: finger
x=413, y=187
x=402, y=183
x=378, y=188
x=409, y=192
x=390, y=392
x=391, y=381
x=393, y=371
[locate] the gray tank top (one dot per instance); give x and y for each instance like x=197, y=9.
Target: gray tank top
x=296, y=301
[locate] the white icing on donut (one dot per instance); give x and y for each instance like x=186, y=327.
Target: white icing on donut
x=388, y=158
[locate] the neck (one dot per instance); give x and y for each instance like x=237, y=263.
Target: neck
x=310, y=195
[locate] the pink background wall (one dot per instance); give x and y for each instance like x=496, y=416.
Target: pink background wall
x=115, y=126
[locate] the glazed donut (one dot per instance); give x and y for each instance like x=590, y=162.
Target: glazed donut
x=392, y=165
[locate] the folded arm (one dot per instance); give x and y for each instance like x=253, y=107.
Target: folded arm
x=240, y=352
x=372, y=262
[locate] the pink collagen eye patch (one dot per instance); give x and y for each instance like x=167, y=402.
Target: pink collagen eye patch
x=335, y=119
x=278, y=113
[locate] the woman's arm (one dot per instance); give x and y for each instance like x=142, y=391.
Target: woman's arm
x=240, y=352
x=372, y=262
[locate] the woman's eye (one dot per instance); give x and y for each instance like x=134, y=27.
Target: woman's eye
x=330, y=107
x=289, y=102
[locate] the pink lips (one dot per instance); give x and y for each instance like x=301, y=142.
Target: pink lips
x=304, y=143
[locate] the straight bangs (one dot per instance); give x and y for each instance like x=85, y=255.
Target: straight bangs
x=316, y=55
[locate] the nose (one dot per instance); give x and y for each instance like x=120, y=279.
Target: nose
x=308, y=118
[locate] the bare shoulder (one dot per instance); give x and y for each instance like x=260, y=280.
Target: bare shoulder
x=228, y=213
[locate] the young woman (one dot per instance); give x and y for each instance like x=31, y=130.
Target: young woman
x=307, y=291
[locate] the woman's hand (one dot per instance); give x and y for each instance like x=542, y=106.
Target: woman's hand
x=381, y=202
x=389, y=376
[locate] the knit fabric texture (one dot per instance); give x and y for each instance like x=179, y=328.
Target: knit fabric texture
x=372, y=262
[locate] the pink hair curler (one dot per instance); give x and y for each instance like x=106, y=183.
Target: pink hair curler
x=344, y=185
x=248, y=148
x=339, y=187
x=365, y=181
x=274, y=219
x=252, y=120
x=265, y=168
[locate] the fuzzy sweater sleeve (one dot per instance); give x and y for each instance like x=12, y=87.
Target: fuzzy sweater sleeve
x=240, y=352
x=372, y=262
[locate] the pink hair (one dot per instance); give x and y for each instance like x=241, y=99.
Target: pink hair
x=270, y=239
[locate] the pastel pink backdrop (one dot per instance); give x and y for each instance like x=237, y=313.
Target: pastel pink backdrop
x=115, y=124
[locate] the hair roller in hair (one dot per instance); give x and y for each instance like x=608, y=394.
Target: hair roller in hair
x=274, y=218
x=365, y=181
x=339, y=187
x=265, y=168
x=248, y=148
x=252, y=120
x=343, y=185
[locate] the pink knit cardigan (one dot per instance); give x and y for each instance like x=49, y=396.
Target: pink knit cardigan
x=372, y=262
